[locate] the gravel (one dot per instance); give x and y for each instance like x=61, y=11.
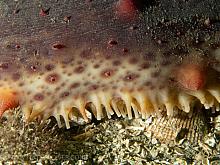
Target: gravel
x=115, y=141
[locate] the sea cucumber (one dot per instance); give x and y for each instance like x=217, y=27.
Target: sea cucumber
x=130, y=58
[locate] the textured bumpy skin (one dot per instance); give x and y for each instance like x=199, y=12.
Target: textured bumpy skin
x=130, y=58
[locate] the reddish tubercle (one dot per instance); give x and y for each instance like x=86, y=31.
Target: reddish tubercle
x=8, y=100
x=126, y=9
x=191, y=76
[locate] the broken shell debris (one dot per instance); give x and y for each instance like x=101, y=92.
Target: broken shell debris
x=114, y=141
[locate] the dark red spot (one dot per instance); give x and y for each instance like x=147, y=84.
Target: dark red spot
x=112, y=42
x=58, y=46
x=116, y=63
x=21, y=84
x=107, y=73
x=93, y=87
x=49, y=67
x=133, y=60
x=125, y=50
x=16, y=76
x=52, y=78
x=44, y=12
x=86, y=83
x=4, y=66
x=149, y=85
x=34, y=68
x=64, y=94
x=39, y=97
x=155, y=74
x=79, y=69
x=96, y=66
x=17, y=46
x=130, y=77
x=80, y=62
x=171, y=79
x=75, y=85
x=145, y=65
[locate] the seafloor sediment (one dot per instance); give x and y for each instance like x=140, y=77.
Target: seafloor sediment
x=115, y=141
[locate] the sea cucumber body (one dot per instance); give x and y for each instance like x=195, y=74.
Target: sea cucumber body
x=75, y=58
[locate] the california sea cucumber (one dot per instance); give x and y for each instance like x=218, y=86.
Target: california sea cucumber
x=125, y=57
